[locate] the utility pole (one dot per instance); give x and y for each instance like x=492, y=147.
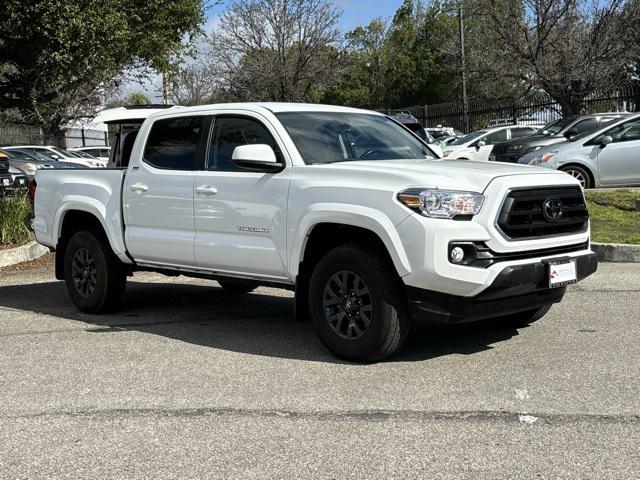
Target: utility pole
x=465, y=102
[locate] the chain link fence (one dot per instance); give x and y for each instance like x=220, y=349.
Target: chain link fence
x=535, y=109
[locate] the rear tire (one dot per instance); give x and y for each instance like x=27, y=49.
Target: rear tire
x=234, y=288
x=356, y=304
x=94, y=276
x=524, y=319
x=579, y=174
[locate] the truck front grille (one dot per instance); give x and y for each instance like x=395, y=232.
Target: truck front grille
x=543, y=212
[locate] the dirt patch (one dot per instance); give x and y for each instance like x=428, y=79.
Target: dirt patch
x=44, y=261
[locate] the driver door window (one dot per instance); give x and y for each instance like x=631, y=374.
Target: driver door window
x=625, y=132
x=585, y=125
x=496, y=137
x=231, y=132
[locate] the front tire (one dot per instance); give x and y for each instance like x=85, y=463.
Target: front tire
x=94, y=276
x=356, y=304
x=579, y=174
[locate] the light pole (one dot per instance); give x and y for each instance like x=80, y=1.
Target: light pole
x=465, y=103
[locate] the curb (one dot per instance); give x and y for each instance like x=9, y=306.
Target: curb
x=617, y=252
x=23, y=253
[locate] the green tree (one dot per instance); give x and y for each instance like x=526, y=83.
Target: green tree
x=58, y=56
x=138, y=98
x=361, y=82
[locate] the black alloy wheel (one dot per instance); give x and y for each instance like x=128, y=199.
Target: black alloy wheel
x=347, y=305
x=83, y=272
x=356, y=303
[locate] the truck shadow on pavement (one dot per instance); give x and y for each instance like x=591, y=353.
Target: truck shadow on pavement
x=260, y=323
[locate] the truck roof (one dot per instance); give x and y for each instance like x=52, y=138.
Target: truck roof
x=139, y=114
x=131, y=113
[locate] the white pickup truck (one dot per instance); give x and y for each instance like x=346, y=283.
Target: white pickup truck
x=345, y=206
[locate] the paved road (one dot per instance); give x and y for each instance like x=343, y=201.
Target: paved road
x=186, y=382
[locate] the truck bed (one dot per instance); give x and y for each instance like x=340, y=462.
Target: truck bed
x=97, y=191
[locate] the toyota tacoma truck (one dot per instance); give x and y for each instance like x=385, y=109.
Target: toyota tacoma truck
x=346, y=207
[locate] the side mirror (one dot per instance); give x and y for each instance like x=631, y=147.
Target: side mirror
x=480, y=144
x=606, y=140
x=571, y=132
x=55, y=156
x=257, y=158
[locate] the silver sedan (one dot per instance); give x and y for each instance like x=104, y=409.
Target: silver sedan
x=606, y=156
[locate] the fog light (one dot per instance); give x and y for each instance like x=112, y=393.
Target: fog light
x=457, y=255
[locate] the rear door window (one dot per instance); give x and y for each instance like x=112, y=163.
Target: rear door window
x=174, y=143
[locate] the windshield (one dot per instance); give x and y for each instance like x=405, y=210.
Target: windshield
x=65, y=153
x=468, y=138
x=590, y=131
x=554, y=128
x=327, y=137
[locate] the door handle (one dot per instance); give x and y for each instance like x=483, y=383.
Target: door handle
x=138, y=187
x=206, y=190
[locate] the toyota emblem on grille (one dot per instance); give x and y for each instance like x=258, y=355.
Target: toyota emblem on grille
x=552, y=209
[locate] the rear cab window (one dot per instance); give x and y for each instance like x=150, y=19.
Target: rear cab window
x=175, y=143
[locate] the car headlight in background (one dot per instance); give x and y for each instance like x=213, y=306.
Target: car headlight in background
x=436, y=203
x=31, y=166
x=545, y=157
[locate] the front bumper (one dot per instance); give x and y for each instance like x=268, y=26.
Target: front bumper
x=517, y=288
x=507, y=157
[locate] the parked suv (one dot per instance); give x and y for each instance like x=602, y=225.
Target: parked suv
x=555, y=132
x=344, y=206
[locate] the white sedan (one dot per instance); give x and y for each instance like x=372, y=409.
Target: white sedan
x=61, y=155
x=478, y=145
x=101, y=153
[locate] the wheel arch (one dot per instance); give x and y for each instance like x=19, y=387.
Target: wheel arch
x=319, y=237
x=586, y=168
x=70, y=221
x=323, y=221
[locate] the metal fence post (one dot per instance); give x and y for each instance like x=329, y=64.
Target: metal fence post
x=82, y=134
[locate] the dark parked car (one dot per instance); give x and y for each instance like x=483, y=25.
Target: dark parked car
x=414, y=125
x=30, y=162
x=6, y=180
x=555, y=132
x=19, y=180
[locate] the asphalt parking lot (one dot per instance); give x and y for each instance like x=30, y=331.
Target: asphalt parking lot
x=186, y=382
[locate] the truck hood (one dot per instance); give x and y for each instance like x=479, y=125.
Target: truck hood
x=465, y=175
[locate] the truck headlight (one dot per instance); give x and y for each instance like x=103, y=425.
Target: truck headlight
x=442, y=203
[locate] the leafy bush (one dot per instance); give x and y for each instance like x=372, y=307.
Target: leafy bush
x=14, y=220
